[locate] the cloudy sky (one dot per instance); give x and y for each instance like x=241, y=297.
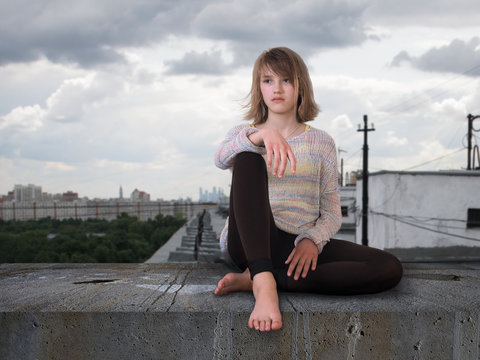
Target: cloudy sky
x=95, y=94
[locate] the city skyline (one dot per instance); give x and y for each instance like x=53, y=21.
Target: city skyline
x=97, y=94
x=34, y=192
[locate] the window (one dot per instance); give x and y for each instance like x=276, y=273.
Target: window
x=344, y=210
x=473, y=218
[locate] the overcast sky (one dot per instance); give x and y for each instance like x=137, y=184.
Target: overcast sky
x=95, y=94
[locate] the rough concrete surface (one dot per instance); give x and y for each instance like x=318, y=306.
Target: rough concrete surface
x=169, y=311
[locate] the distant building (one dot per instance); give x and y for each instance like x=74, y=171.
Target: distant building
x=28, y=192
x=351, y=178
x=215, y=196
x=69, y=196
x=98, y=209
x=120, y=193
x=9, y=197
x=423, y=216
x=138, y=195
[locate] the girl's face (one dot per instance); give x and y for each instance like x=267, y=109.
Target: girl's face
x=278, y=93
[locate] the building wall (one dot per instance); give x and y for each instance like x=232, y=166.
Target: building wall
x=97, y=209
x=420, y=209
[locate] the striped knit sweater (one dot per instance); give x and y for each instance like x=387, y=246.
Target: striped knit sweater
x=306, y=203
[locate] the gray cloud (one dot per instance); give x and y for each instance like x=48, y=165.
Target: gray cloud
x=91, y=32
x=437, y=13
x=87, y=32
x=457, y=57
x=306, y=27
x=198, y=63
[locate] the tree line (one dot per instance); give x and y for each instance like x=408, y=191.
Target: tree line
x=123, y=240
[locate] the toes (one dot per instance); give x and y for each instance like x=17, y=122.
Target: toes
x=262, y=326
x=251, y=323
x=276, y=324
x=268, y=326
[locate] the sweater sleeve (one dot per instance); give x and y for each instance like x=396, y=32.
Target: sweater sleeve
x=236, y=141
x=330, y=219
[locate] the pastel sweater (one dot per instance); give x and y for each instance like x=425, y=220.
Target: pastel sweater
x=306, y=203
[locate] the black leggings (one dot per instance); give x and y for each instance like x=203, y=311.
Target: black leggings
x=343, y=267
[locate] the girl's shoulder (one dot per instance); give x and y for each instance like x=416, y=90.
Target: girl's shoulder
x=319, y=136
x=232, y=132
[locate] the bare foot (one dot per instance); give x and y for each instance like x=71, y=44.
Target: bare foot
x=266, y=314
x=233, y=282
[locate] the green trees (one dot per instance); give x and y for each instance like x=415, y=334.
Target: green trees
x=122, y=240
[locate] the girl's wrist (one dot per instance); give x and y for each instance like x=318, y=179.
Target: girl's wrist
x=256, y=138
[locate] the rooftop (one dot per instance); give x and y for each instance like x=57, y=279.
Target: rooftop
x=167, y=310
x=439, y=172
x=127, y=311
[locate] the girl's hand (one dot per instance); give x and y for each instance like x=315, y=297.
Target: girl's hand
x=303, y=257
x=278, y=150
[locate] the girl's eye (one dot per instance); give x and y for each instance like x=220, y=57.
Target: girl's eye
x=267, y=81
x=286, y=80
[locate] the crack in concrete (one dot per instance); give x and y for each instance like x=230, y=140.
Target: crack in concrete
x=353, y=333
x=291, y=304
x=177, y=290
x=170, y=284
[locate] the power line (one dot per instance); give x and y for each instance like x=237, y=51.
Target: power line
x=430, y=161
x=411, y=106
x=395, y=218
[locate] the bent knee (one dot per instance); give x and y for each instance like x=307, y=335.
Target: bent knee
x=249, y=161
x=391, y=271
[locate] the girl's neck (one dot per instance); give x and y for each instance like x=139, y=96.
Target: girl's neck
x=281, y=122
x=286, y=126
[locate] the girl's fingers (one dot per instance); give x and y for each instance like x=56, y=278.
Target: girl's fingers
x=293, y=161
x=283, y=164
x=276, y=160
x=269, y=156
x=306, y=267
x=302, y=262
x=290, y=257
x=292, y=266
x=279, y=153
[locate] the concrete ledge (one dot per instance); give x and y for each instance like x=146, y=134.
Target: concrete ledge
x=437, y=254
x=168, y=311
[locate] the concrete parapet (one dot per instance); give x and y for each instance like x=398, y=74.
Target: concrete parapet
x=169, y=311
x=209, y=249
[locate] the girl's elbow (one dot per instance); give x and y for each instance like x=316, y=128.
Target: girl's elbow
x=221, y=165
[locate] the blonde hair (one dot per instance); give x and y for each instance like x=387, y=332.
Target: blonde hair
x=284, y=62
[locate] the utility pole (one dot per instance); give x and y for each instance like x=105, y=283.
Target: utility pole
x=470, y=118
x=365, y=131
x=341, y=165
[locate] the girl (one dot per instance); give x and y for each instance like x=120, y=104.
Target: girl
x=284, y=200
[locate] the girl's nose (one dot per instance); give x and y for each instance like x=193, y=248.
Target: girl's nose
x=277, y=87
